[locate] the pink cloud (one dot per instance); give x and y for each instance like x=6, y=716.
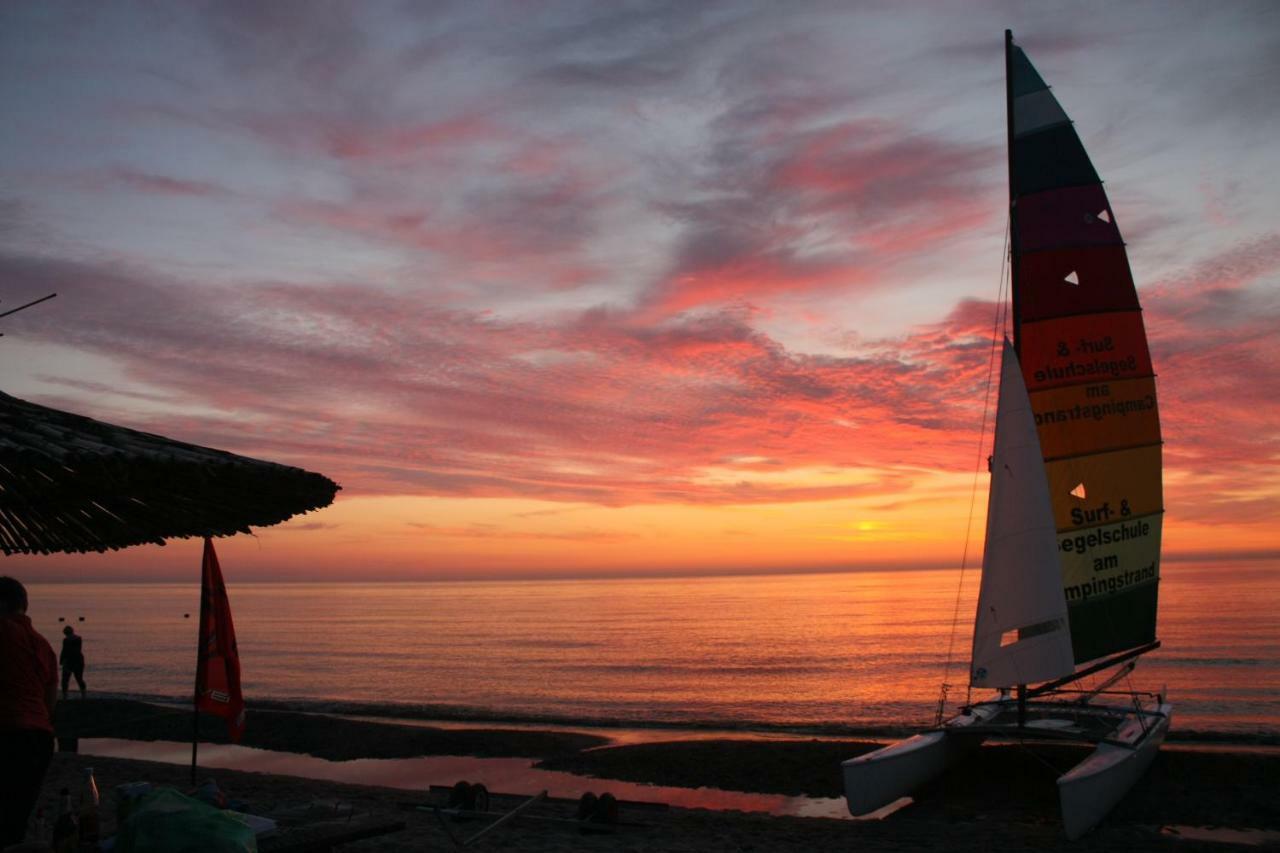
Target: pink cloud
x=393, y=394
x=1212, y=334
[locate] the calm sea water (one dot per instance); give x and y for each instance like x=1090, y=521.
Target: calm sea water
x=857, y=652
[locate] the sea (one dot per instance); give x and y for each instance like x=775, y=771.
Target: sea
x=861, y=653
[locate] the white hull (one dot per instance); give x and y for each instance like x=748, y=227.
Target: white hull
x=1087, y=792
x=875, y=780
x=1093, y=787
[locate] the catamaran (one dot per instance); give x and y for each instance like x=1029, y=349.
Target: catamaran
x=1071, y=562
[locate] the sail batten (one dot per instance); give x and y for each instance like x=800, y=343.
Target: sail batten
x=1087, y=369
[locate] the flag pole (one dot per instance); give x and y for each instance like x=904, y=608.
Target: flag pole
x=200, y=660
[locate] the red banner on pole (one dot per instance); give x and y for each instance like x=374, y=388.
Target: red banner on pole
x=217, y=661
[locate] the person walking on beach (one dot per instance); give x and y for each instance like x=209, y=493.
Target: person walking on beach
x=28, y=691
x=72, y=660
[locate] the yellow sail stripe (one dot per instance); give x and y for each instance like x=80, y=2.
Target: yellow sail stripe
x=1105, y=488
x=1104, y=559
x=1096, y=417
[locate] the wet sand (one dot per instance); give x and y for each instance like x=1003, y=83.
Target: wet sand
x=1004, y=796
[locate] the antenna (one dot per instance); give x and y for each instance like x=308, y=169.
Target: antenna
x=28, y=305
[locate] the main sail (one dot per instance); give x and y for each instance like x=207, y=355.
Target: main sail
x=1083, y=349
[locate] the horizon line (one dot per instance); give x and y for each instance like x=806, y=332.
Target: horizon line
x=532, y=576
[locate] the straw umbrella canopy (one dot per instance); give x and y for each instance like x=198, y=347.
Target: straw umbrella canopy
x=72, y=484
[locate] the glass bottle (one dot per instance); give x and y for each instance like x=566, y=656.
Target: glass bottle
x=66, y=832
x=89, y=803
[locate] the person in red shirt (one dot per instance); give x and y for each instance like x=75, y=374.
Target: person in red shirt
x=28, y=691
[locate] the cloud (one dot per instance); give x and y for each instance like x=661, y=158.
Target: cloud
x=1212, y=332
x=796, y=198
x=394, y=392
x=483, y=531
x=391, y=394
x=163, y=185
x=311, y=526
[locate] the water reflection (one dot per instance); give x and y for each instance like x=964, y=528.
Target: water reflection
x=1224, y=835
x=862, y=650
x=505, y=775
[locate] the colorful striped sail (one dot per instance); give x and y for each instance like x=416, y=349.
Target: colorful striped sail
x=1083, y=349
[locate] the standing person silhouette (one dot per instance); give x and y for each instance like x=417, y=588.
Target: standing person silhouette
x=72, y=660
x=28, y=691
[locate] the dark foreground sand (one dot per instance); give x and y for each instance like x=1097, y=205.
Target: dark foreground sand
x=1004, y=798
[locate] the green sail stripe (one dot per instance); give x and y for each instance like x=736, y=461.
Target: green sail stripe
x=1025, y=77
x=1050, y=158
x=1114, y=623
x=1036, y=111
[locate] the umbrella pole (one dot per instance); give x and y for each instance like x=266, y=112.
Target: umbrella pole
x=200, y=661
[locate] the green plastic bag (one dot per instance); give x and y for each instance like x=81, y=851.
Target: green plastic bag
x=165, y=821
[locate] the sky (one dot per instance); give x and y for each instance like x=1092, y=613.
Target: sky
x=589, y=288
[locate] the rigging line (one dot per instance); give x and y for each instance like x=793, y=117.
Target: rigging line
x=1029, y=750
x=999, y=323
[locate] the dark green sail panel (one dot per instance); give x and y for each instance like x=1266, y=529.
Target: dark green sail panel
x=1125, y=620
x=1025, y=77
x=1050, y=159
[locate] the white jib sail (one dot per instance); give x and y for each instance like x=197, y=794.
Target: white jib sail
x=1020, y=635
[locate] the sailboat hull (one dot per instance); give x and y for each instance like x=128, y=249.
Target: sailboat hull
x=1094, y=786
x=875, y=780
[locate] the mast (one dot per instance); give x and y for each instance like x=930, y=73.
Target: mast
x=1013, y=267
x=1013, y=230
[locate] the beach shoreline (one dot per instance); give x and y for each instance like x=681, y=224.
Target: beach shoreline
x=1008, y=793
x=627, y=729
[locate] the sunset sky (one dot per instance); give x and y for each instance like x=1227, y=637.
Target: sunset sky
x=592, y=288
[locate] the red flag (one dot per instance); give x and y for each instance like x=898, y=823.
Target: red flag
x=217, y=661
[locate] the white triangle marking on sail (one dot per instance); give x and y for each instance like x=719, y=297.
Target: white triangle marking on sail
x=1021, y=587
x=1072, y=278
x=1078, y=491
x=1104, y=216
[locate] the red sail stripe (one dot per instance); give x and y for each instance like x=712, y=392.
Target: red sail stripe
x=1084, y=349
x=1061, y=282
x=1066, y=217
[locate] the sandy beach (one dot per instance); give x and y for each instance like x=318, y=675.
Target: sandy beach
x=1005, y=796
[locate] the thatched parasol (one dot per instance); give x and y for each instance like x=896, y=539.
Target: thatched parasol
x=72, y=484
